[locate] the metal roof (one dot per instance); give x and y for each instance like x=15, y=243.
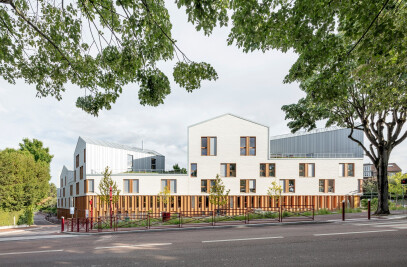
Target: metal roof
x=93, y=141
x=299, y=133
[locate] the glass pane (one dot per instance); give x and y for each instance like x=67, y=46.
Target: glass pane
x=91, y=185
x=252, y=151
x=302, y=169
x=350, y=169
x=311, y=170
x=193, y=202
x=252, y=141
x=204, y=152
x=272, y=170
x=243, y=151
x=213, y=146
x=223, y=170
x=262, y=170
x=194, y=170
x=126, y=186
x=232, y=170
x=242, y=141
x=173, y=186
x=341, y=170
x=204, y=142
x=135, y=186
x=129, y=161
x=163, y=184
x=243, y=186
x=252, y=186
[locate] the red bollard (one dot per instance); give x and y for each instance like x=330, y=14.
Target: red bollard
x=368, y=209
x=87, y=225
x=343, y=210
x=62, y=224
x=91, y=223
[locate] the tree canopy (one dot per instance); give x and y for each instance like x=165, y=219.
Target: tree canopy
x=98, y=45
x=104, y=188
x=35, y=147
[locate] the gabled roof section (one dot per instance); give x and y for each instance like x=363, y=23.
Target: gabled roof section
x=92, y=141
x=227, y=114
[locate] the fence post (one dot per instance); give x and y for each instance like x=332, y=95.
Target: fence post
x=99, y=225
x=179, y=219
x=343, y=210
x=87, y=225
x=148, y=220
x=91, y=223
x=313, y=212
x=213, y=218
x=62, y=223
x=77, y=224
x=71, y=224
x=368, y=209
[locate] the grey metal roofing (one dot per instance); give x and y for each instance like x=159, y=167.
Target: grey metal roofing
x=226, y=115
x=299, y=133
x=93, y=141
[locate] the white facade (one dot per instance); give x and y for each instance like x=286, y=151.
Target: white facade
x=228, y=130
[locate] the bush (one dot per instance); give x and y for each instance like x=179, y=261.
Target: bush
x=27, y=217
x=7, y=217
x=373, y=204
x=324, y=212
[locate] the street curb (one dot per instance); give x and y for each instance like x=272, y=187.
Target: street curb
x=200, y=228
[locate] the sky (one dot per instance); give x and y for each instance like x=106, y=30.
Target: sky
x=249, y=85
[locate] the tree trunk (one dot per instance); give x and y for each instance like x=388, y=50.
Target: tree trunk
x=382, y=182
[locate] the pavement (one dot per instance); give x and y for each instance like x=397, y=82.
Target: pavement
x=355, y=242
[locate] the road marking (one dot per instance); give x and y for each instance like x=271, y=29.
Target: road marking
x=19, y=238
x=132, y=246
x=242, y=239
x=31, y=252
x=350, y=233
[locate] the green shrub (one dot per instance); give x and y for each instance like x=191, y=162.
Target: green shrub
x=7, y=217
x=324, y=212
x=373, y=203
x=27, y=217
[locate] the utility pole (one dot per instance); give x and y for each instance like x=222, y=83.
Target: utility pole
x=111, y=211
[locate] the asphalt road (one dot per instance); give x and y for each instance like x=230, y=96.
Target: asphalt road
x=353, y=243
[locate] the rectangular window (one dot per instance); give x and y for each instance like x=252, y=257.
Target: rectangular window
x=243, y=186
x=231, y=202
x=153, y=164
x=84, y=155
x=228, y=169
x=77, y=188
x=208, y=146
x=331, y=186
x=77, y=161
x=129, y=162
x=288, y=186
x=164, y=183
x=307, y=170
x=248, y=146
x=71, y=190
x=64, y=191
x=135, y=186
x=194, y=170
x=204, y=186
x=91, y=186
x=327, y=186
x=267, y=170
x=192, y=202
x=74, y=176
x=346, y=169
x=252, y=186
x=81, y=172
x=322, y=186
x=247, y=186
x=126, y=186
x=62, y=183
x=170, y=184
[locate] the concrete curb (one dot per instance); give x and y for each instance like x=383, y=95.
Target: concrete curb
x=200, y=228
x=14, y=226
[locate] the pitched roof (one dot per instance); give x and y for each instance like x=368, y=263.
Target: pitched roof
x=314, y=131
x=228, y=114
x=93, y=141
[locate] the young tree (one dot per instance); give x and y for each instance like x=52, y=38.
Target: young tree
x=165, y=195
x=98, y=45
x=395, y=186
x=218, y=195
x=351, y=62
x=274, y=191
x=104, y=188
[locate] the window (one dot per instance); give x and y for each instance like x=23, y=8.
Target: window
x=204, y=186
x=129, y=162
x=91, y=185
x=208, y=146
x=77, y=161
x=267, y=170
x=170, y=184
x=327, y=186
x=228, y=169
x=153, y=164
x=194, y=170
x=81, y=172
x=77, y=188
x=192, y=202
x=307, y=170
x=71, y=190
x=65, y=178
x=247, y=186
x=64, y=191
x=288, y=186
x=74, y=176
x=247, y=146
x=346, y=169
x=126, y=184
x=84, y=155
x=62, y=183
x=134, y=186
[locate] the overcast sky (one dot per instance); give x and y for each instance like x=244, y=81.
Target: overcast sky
x=249, y=85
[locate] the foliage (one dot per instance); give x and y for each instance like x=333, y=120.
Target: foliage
x=395, y=186
x=178, y=169
x=166, y=195
x=27, y=217
x=369, y=186
x=373, y=203
x=99, y=46
x=35, y=147
x=218, y=195
x=7, y=217
x=274, y=191
x=104, y=188
x=23, y=181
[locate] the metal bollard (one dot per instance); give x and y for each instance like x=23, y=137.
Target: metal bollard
x=62, y=224
x=87, y=225
x=77, y=224
x=368, y=209
x=343, y=210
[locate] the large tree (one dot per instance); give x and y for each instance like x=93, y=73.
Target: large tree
x=35, y=147
x=351, y=63
x=98, y=45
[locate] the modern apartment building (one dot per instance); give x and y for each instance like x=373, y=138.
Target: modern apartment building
x=237, y=149
x=370, y=172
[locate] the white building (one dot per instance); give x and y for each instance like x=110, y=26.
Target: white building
x=233, y=147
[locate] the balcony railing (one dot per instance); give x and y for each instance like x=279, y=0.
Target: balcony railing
x=313, y=155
